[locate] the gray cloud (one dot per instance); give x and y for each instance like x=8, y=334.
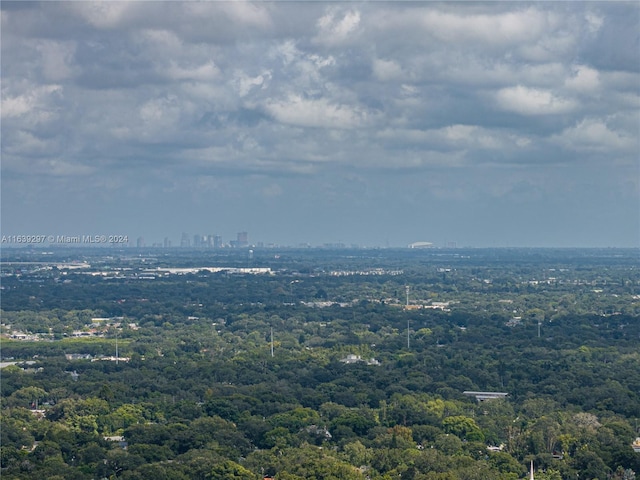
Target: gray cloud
x=373, y=110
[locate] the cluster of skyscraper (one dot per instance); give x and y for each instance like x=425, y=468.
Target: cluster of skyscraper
x=202, y=241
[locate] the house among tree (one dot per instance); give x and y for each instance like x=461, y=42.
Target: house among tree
x=351, y=358
x=482, y=396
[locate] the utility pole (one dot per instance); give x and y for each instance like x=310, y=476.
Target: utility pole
x=539, y=328
x=272, y=341
x=407, y=288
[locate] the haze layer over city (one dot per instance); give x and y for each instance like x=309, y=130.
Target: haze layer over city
x=376, y=124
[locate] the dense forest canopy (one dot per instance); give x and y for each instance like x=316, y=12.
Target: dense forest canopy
x=320, y=364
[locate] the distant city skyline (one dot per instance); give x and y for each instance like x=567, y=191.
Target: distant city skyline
x=242, y=240
x=377, y=123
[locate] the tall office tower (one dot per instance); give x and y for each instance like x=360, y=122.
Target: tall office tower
x=198, y=240
x=167, y=242
x=140, y=242
x=243, y=239
x=184, y=241
x=217, y=241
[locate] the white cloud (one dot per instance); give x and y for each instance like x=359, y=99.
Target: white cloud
x=408, y=90
x=207, y=72
x=594, y=22
x=335, y=28
x=387, y=70
x=321, y=62
x=532, y=101
x=57, y=59
x=104, y=15
x=296, y=110
x=457, y=137
x=471, y=135
x=285, y=51
x=161, y=119
x=508, y=27
x=17, y=106
x=550, y=47
x=35, y=104
x=238, y=12
x=584, y=80
x=65, y=168
x=244, y=83
x=24, y=143
x=42, y=161
x=545, y=74
x=531, y=34
x=303, y=71
x=593, y=134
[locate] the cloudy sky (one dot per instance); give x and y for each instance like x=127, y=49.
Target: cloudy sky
x=373, y=123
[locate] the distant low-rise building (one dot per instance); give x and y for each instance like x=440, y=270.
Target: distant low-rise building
x=77, y=356
x=483, y=396
x=351, y=358
x=420, y=245
x=122, y=443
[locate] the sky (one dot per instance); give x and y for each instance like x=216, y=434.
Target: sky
x=501, y=124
